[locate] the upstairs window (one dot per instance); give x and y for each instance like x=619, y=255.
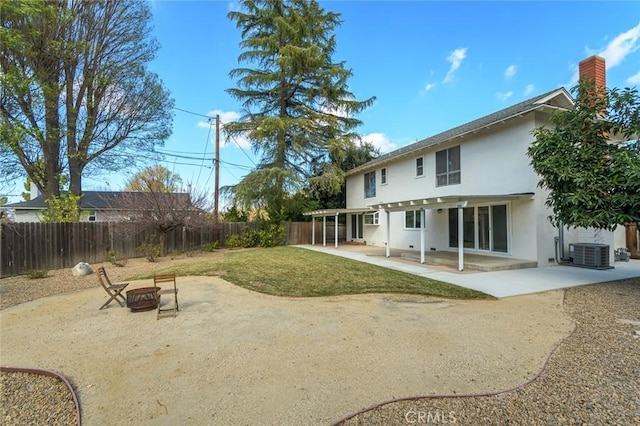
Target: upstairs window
x=448, y=166
x=419, y=166
x=412, y=219
x=370, y=184
x=383, y=176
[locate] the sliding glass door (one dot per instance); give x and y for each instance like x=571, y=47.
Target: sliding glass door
x=357, y=223
x=485, y=228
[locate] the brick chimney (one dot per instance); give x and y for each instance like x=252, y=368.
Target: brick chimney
x=593, y=68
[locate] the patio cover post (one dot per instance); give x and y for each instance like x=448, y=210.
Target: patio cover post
x=313, y=230
x=388, y=233
x=460, y=238
x=335, y=227
x=422, y=226
x=324, y=230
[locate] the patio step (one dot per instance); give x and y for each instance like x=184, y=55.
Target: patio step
x=472, y=261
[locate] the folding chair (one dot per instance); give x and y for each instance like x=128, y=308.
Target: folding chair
x=166, y=278
x=113, y=290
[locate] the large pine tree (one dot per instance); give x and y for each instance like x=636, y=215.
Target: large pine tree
x=297, y=107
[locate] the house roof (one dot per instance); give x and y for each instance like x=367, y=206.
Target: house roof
x=556, y=99
x=103, y=200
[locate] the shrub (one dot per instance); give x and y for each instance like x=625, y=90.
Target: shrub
x=271, y=236
x=112, y=257
x=150, y=251
x=37, y=273
x=233, y=241
x=173, y=254
x=249, y=238
x=212, y=246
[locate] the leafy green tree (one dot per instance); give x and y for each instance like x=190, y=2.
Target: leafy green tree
x=234, y=214
x=590, y=161
x=332, y=193
x=64, y=208
x=297, y=107
x=76, y=92
x=3, y=201
x=155, y=179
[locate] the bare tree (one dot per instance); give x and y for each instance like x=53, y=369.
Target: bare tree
x=163, y=212
x=76, y=91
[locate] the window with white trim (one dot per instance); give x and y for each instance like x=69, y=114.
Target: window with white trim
x=91, y=217
x=419, y=166
x=370, y=184
x=383, y=176
x=371, y=218
x=412, y=219
x=448, y=166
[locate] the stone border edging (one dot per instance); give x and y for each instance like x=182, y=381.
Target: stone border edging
x=48, y=373
x=469, y=395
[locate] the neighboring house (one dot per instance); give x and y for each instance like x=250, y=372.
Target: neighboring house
x=470, y=189
x=100, y=206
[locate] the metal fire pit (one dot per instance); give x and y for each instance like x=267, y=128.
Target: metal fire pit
x=142, y=299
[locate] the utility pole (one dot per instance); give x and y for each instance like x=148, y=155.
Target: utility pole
x=217, y=177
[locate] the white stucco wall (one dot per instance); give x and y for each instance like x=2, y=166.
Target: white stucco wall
x=27, y=216
x=492, y=162
x=101, y=216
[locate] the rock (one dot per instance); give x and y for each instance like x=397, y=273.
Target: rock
x=81, y=269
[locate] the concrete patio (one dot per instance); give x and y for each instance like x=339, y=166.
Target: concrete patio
x=499, y=283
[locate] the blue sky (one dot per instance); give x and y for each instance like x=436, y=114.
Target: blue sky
x=431, y=65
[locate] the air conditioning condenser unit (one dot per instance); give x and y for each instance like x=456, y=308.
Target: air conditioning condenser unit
x=588, y=255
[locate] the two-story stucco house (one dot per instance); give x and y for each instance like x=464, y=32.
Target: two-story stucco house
x=470, y=189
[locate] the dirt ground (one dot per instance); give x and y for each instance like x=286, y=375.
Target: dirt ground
x=232, y=356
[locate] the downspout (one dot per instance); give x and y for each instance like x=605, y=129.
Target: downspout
x=560, y=244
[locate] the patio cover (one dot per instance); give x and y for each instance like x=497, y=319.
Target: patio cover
x=446, y=202
x=331, y=212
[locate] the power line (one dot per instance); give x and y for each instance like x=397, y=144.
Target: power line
x=240, y=166
x=206, y=144
x=233, y=138
x=230, y=172
x=191, y=112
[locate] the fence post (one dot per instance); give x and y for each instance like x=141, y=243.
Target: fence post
x=1, y=244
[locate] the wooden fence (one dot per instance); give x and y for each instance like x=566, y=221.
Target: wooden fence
x=633, y=240
x=38, y=246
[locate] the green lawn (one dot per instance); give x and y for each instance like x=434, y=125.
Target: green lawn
x=291, y=271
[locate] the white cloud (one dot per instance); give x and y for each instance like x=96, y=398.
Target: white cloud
x=429, y=86
x=455, y=58
x=225, y=117
x=380, y=141
x=634, y=79
x=616, y=51
x=529, y=89
x=235, y=141
x=510, y=71
x=503, y=96
x=621, y=46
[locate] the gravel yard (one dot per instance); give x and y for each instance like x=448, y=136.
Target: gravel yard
x=35, y=399
x=593, y=377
